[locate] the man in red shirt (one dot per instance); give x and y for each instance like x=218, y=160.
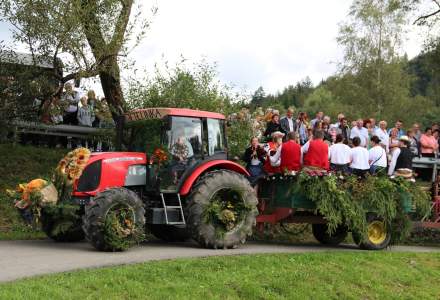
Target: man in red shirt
x=316, y=151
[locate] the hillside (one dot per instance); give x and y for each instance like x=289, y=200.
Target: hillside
x=21, y=164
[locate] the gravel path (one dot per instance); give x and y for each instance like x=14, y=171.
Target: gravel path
x=20, y=259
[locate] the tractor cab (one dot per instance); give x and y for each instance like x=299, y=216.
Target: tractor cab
x=175, y=141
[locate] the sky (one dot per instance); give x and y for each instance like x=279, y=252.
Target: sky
x=254, y=42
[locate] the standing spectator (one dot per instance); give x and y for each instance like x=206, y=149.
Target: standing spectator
x=383, y=136
x=316, y=151
x=416, y=131
x=318, y=118
x=93, y=103
x=327, y=120
x=274, y=125
x=413, y=144
x=70, y=98
x=56, y=111
x=302, y=123
x=359, y=158
x=340, y=117
x=85, y=114
x=394, y=142
x=344, y=130
x=428, y=143
x=339, y=155
x=373, y=124
x=254, y=158
x=398, y=126
x=361, y=132
x=377, y=156
x=288, y=124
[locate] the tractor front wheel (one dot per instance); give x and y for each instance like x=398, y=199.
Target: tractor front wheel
x=320, y=232
x=222, y=210
x=114, y=220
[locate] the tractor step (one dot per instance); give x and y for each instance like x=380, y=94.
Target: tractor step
x=165, y=200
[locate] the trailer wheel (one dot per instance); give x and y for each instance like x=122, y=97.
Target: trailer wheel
x=222, y=209
x=67, y=229
x=378, y=236
x=321, y=234
x=170, y=233
x=114, y=220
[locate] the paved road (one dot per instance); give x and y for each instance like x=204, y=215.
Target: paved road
x=19, y=259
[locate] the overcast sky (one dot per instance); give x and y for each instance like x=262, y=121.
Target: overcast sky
x=255, y=42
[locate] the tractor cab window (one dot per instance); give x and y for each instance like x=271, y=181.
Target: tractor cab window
x=184, y=138
x=216, y=136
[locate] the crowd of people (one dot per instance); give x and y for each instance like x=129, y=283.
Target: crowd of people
x=294, y=143
x=73, y=109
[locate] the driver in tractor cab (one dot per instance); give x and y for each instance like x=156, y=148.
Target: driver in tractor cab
x=272, y=166
x=181, y=151
x=315, y=152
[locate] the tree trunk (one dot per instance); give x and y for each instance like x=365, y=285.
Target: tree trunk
x=111, y=86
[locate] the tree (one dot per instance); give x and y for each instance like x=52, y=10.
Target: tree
x=372, y=66
x=258, y=97
x=84, y=38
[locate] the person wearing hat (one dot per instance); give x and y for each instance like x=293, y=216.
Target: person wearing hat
x=315, y=152
x=272, y=165
x=274, y=124
x=401, y=161
x=377, y=156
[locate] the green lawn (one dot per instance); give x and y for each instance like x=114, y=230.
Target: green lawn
x=346, y=275
x=21, y=164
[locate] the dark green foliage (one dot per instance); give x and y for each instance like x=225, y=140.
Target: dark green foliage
x=347, y=200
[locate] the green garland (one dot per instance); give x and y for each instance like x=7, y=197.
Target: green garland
x=225, y=215
x=121, y=231
x=348, y=199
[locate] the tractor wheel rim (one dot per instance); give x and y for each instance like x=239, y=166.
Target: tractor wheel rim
x=377, y=232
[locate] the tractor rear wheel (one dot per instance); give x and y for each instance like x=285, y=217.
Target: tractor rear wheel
x=221, y=210
x=170, y=233
x=115, y=220
x=321, y=234
x=62, y=226
x=378, y=235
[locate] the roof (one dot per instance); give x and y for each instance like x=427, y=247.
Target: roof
x=26, y=59
x=160, y=112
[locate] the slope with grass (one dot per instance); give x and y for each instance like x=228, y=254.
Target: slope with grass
x=350, y=275
x=21, y=164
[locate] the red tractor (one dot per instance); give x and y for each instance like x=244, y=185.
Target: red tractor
x=179, y=185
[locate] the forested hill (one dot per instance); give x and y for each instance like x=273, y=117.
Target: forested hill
x=408, y=90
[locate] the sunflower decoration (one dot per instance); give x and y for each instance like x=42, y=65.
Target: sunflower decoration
x=72, y=165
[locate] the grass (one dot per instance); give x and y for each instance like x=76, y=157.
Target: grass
x=21, y=164
x=346, y=275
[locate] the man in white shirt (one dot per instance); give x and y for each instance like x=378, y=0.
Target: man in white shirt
x=361, y=132
x=339, y=155
x=359, y=158
x=383, y=136
x=288, y=124
x=377, y=156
